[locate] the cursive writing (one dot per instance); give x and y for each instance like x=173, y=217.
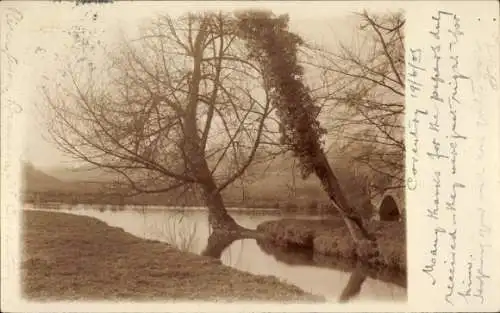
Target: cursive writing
x=429, y=267
x=434, y=212
x=450, y=205
x=436, y=77
x=467, y=282
x=436, y=154
x=447, y=128
x=411, y=181
x=451, y=261
x=414, y=68
x=434, y=123
x=480, y=275
x=12, y=17
x=455, y=31
x=435, y=32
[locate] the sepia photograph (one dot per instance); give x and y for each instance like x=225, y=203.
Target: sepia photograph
x=222, y=153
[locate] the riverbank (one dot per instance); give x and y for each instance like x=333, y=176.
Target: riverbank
x=257, y=209
x=69, y=257
x=330, y=237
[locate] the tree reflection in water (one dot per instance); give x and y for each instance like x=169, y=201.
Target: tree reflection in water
x=353, y=286
x=217, y=243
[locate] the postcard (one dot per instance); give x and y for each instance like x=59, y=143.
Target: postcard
x=310, y=156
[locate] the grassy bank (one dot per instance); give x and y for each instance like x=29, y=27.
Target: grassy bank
x=330, y=237
x=68, y=257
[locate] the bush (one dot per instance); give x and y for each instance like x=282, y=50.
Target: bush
x=313, y=204
x=324, y=207
x=288, y=206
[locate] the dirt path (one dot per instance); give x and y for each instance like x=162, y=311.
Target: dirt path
x=68, y=257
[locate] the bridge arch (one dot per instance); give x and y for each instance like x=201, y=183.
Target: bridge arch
x=390, y=206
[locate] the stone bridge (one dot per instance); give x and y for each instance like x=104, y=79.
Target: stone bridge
x=389, y=206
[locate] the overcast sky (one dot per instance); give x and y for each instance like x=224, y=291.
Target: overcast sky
x=40, y=34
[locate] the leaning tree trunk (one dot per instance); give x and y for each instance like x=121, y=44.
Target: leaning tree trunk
x=332, y=187
x=365, y=242
x=276, y=49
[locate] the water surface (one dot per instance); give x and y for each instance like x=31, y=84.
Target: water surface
x=189, y=230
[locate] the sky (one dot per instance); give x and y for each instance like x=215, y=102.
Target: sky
x=39, y=35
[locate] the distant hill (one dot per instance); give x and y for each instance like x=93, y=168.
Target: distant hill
x=36, y=180
x=80, y=174
x=273, y=183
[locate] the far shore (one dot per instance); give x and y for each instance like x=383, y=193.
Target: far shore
x=329, y=237
x=292, y=206
x=156, y=208
x=70, y=257
x=57, y=205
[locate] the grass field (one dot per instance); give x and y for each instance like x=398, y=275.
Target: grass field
x=69, y=257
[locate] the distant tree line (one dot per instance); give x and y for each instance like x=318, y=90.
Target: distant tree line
x=306, y=206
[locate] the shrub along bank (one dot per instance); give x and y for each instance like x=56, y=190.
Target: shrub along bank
x=330, y=237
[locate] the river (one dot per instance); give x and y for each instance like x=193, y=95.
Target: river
x=189, y=230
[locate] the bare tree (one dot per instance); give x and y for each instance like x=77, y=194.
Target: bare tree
x=363, y=86
x=168, y=111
